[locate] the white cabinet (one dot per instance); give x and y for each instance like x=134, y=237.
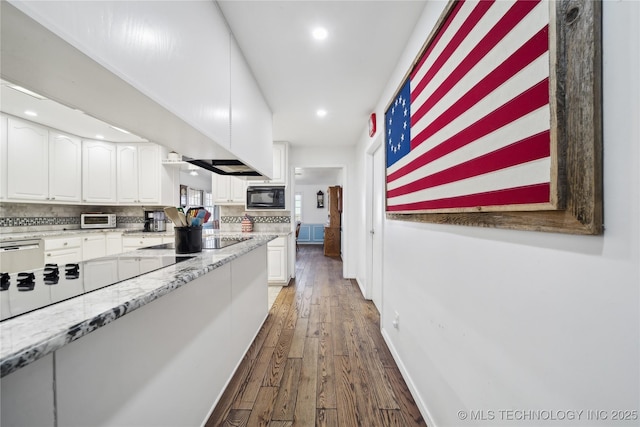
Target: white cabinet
x=138, y=176
x=280, y=166
x=98, y=172
x=65, y=167
x=228, y=190
x=62, y=250
x=113, y=243
x=42, y=164
x=131, y=243
x=277, y=255
x=251, y=118
x=3, y=157
x=27, y=161
x=94, y=246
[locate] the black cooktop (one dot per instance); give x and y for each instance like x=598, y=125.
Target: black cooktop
x=208, y=242
x=30, y=290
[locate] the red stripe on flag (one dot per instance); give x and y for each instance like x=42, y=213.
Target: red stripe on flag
x=532, y=49
x=537, y=193
x=523, y=104
x=478, y=12
x=526, y=150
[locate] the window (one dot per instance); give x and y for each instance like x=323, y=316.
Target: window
x=297, y=207
x=195, y=197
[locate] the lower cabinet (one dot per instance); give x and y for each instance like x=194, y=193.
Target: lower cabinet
x=131, y=243
x=277, y=255
x=94, y=246
x=114, y=243
x=62, y=250
x=174, y=355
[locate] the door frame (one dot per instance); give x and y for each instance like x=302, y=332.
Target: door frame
x=369, y=191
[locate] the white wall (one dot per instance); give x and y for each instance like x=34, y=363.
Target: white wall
x=494, y=320
x=311, y=214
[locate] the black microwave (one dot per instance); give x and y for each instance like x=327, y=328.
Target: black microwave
x=261, y=197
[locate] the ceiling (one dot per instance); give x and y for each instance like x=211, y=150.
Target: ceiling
x=343, y=74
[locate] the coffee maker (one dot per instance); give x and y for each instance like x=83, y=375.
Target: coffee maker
x=154, y=221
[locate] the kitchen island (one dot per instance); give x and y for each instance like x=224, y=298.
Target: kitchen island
x=187, y=327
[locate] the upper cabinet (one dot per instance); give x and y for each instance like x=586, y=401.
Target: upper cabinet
x=228, y=190
x=28, y=161
x=251, y=118
x=138, y=177
x=65, y=167
x=280, y=166
x=99, y=172
x=42, y=165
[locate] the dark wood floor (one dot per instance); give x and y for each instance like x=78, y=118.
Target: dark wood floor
x=319, y=360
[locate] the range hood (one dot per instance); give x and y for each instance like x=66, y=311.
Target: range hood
x=231, y=167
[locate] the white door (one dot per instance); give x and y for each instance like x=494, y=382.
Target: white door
x=27, y=161
x=98, y=172
x=127, y=167
x=377, y=217
x=148, y=173
x=65, y=167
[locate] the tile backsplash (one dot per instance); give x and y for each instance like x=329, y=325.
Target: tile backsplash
x=26, y=217
x=263, y=221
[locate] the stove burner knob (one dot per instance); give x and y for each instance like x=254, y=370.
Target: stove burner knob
x=51, y=274
x=5, y=280
x=72, y=271
x=26, y=281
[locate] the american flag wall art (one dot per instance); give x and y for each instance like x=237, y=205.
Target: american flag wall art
x=470, y=129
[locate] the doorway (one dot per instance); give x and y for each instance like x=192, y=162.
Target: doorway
x=376, y=197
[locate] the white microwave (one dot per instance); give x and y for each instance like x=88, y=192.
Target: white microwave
x=97, y=220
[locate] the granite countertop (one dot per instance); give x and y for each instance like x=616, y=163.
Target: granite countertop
x=28, y=337
x=124, y=231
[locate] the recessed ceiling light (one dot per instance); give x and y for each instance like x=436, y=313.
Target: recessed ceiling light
x=120, y=129
x=321, y=112
x=31, y=113
x=319, y=33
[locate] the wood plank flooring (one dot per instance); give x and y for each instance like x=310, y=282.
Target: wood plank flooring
x=319, y=360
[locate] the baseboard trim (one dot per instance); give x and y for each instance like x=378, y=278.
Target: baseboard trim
x=409, y=381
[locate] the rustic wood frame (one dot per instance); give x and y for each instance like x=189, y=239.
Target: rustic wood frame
x=576, y=37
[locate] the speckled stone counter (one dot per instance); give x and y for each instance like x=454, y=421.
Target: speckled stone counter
x=27, y=338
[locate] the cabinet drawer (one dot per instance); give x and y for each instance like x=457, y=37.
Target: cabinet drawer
x=64, y=243
x=140, y=242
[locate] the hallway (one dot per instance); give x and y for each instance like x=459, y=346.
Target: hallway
x=319, y=359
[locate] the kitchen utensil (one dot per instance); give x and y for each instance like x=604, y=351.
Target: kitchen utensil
x=175, y=217
x=183, y=220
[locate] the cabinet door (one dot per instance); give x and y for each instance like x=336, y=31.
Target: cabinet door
x=63, y=256
x=114, y=243
x=27, y=161
x=98, y=172
x=93, y=246
x=65, y=167
x=276, y=270
x=221, y=189
x=238, y=190
x=127, y=175
x=149, y=174
x=279, y=164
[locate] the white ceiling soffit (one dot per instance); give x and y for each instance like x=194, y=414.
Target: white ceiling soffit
x=58, y=116
x=344, y=74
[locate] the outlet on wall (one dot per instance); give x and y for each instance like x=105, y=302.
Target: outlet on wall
x=396, y=321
